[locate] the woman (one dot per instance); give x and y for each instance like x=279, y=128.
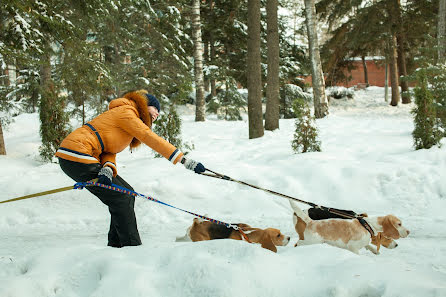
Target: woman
x=90, y=151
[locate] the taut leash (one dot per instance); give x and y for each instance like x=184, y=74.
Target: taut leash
x=113, y=187
x=42, y=193
x=117, y=188
x=341, y=213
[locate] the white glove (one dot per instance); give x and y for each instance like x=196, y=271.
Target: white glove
x=105, y=176
x=193, y=165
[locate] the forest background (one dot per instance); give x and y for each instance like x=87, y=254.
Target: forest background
x=64, y=58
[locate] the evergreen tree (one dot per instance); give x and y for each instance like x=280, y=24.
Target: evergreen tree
x=54, y=121
x=305, y=134
x=426, y=133
x=288, y=94
x=228, y=102
x=168, y=126
x=369, y=29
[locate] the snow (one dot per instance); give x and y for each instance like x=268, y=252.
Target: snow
x=55, y=245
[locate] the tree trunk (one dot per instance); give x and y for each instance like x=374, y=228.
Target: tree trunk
x=366, y=75
x=386, y=83
x=206, y=58
x=212, y=50
x=272, y=87
x=45, y=72
x=319, y=98
x=255, y=116
x=2, y=141
x=394, y=72
x=198, y=62
x=213, y=84
x=405, y=96
x=401, y=53
x=442, y=32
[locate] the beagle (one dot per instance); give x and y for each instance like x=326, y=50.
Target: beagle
x=346, y=234
x=378, y=240
x=204, y=230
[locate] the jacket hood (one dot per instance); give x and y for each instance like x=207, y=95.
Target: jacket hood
x=139, y=101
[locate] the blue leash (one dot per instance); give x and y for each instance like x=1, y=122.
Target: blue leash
x=113, y=187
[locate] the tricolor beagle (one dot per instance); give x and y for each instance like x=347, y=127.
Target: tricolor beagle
x=347, y=234
x=204, y=230
x=378, y=240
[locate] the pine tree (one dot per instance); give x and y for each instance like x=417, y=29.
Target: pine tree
x=54, y=121
x=228, y=102
x=305, y=134
x=168, y=126
x=426, y=133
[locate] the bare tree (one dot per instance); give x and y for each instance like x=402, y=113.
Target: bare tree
x=272, y=87
x=442, y=31
x=317, y=75
x=255, y=116
x=198, y=62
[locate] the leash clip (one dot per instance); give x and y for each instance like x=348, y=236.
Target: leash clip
x=235, y=227
x=79, y=186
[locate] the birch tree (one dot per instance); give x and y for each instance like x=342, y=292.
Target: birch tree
x=317, y=75
x=272, y=87
x=255, y=116
x=198, y=62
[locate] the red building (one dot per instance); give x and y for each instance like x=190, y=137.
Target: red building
x=375, y=69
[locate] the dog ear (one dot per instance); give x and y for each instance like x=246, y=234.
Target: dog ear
x=389, y=230
x=244, y=227
x=267, y=242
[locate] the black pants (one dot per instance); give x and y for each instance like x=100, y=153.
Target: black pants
x=123, y=228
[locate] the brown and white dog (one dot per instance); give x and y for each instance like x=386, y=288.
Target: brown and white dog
x=378, y=240
x=346, y=234
x=204, y=230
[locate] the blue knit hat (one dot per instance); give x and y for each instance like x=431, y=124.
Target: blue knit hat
x=152, y=101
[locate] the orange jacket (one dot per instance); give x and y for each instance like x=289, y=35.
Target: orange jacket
x=127, y=122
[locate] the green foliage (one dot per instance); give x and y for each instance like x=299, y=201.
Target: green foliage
x=54, y=123
x=435, y=75
x=426, y=133
x=228, y=103
x=168, y=126
x=340, y=92
x=362, y=28
x=305, y=134
x=289, y=93
x=438, y=82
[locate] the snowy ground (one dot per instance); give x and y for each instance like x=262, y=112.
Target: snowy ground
x=56, y=245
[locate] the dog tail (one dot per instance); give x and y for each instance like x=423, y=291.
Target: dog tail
x=299, y=212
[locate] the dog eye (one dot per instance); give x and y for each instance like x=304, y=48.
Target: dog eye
x=278, y=235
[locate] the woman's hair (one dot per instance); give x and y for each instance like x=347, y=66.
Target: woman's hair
x=143, y=91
